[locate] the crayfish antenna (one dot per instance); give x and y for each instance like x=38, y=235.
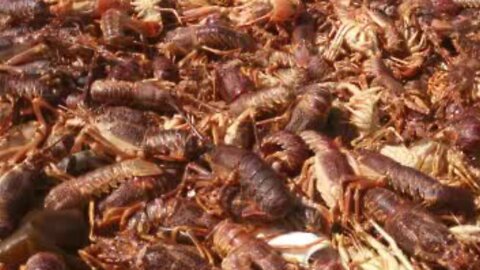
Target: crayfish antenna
x=182, y=113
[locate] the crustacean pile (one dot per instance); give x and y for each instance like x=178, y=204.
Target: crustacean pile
x=240, y=134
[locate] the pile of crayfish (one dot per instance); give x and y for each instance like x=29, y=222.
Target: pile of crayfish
x=240, y=134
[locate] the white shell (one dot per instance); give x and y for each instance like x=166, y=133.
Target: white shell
x=297, y=247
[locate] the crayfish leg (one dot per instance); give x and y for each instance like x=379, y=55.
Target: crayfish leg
x=37, y=105
x=22, y=151
x=11, y=69
x=187, y=58
x=352, y=194
x=256, y=20
x=174, y=12
x=204, y=252
x=28, y=55
x=203, y=175
x=119, y=215
x=53, y=171
x=306, y=181
x=275, y=120
x=221, y=52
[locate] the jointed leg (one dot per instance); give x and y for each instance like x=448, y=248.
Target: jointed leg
x=99, y=144
x=187, y=58
x=353, y=191
x=189, y=232
x=203, y=175
x=283, y=117
x=37, y=105
x=91, y=221
x=256, y=20
x=53, y=171
x=23, y=150
x=307, y=182
x=221, y=52
x=174, y=12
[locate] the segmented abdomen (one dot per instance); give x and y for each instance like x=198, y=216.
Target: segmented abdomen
x=468, y=3
x=124, y=93
x=112, y=25
x=74, y=193
x=25, y=87
x=264, y=101
x=111, y=91
x=266, y=187
x=223, y=38
x=286, y=149
x=416, y=231
x=16, y=192
x=311, y=110
x=22, y=8
x=178, y=144
x=419, y=186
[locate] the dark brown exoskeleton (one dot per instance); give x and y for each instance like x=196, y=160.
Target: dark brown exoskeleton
x=145, y=95
x=326, y=259
x=131, y=133
x=120, y=128
x=40, y=94
x=175, y=214
x=78, y=191
x=230, y=82
x=257, y=179
x=241, y=250
x=30, y=88
x=464, y=133
x=130, y=196
x=417, y=232
x=46, y=230
x=285, y=152
x=80, y=163
x=17, y=187
x=124, y=252
x=418, y=186
x=132, y=69
x=182, y=219
x=233, y=203
x=164, y=256
x=24, y=10
x=311, y=110
x=45, y=261
x=210, y=37
x=165, y=69
x=264, y=102
x=138, y=189
x=176, y=144
x=17, y=41
x=37, y=67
